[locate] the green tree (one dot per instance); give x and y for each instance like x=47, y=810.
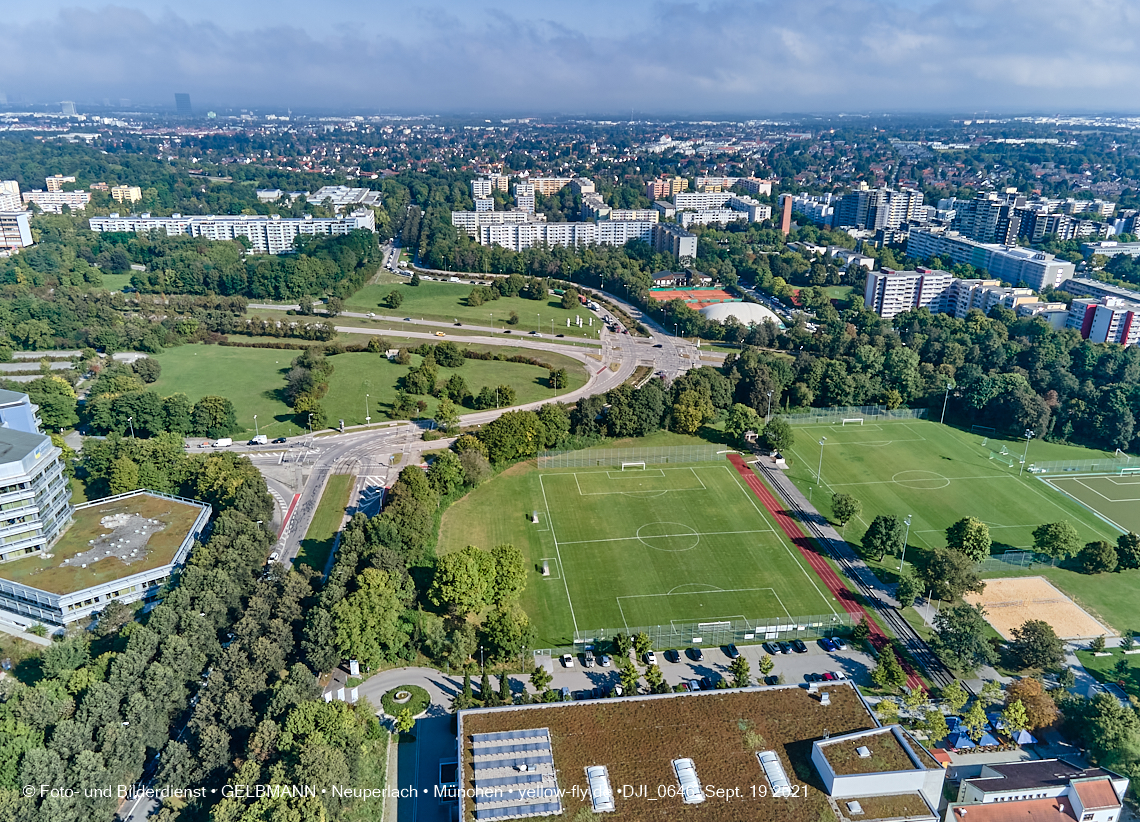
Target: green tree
x=405, y=721
x=558, y=378
x=974, y=721
x=540, y=679
x=1067, y=678
x=955, y=696
x=908, y=589
x=446, y=416
x=741, y=672
x=1128, y=550
x=505, y=696
x=934, y=724
x=1015, y=717
x=507, y=632
x=628, y=676
x=124, y=475
x=622, y=644
x=970, y=537
x=214, y=417
x=570, y=299
x=446, y=473
x=1040, y=708
x=1036, y=645
x=368, y=626
x=655, y=680
x=460, y=582
x=766, y=665
x=887, y=710
x=778, y=435
x=1057, y=539
x=691, y=410
x=888, y=673
x=509, y=578
x=740, y=420
x=883, y=536
x=1098, y=557
x=845, y=508
x=862, y=630
x=393, y=299
x=960, y=638
x=950, y=574
x=642, y=644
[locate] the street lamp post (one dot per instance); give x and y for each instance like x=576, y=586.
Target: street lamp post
x=538, y=324
x=902, y=561
x=819, y=470
x=367, y=416
x=480, y=660
x=945, y=399
x=131, y=423
x=256, y=430
x=1028, y=436
x=768, y=417
x=310, y=424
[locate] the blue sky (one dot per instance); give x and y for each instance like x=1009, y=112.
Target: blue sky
x=749, y=57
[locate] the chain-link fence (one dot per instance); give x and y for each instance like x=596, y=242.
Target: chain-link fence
x=868, y=413
x=600, y=457
x=1011, y=560
x=714, y=634
x=1120, y=464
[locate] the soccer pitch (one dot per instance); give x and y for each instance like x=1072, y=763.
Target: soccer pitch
x=937, y=474
x=661, y=545
x=1115, y=498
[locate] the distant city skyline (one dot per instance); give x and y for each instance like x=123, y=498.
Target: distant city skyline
x=643, y=57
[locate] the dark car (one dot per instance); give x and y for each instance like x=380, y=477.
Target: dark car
x=732, y=652
x=771, y=648
x=706, y=683
x=659, y=345
x=279, y=440
x=826, y=644
x=813, y=677
x=697, y=655
x=798, y=646
x=600, y=692
x=583, y=695
x=672, y=656
x=771, y=679
x=785, y=648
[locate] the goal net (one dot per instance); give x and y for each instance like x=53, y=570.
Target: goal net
x=633, y=466
x=1004, y=459
x=852, y=421
x=983, y=429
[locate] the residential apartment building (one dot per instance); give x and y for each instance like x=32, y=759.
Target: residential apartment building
x=1105, y=319
x=595, y=208
x=889, y=292
x=709, y=183
x=1084, y=287
x=1056, y=314
x=665, y=187
x=989, y=219
x=481, y=187
x=670, y=238
x=56, y=181
x=267, y=235
x=524, y=196
x=1040, y=790
x=10, y=199
x=1020, y=266
x=712, y=216
x=35, y=493
x=52, y=202
x=820, y=209
x=881, y=208
x=699, y=202
x=1110, y=248
x=472, y=221
x=15, y=229
x=483, y=204
x=754, y=185
x=130, y=194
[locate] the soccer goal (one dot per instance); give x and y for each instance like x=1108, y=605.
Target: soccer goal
x=984, y=430
x=1127, y=472
x=633, y=466
x=852, y=421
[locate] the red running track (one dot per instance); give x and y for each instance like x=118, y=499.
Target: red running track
x=826, y=573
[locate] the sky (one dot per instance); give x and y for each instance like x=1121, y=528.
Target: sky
x=593, y=57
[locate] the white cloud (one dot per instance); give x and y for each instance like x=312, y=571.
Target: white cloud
x=747, y=56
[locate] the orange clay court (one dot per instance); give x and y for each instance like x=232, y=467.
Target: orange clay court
x=1011, y=602
x=696, y=298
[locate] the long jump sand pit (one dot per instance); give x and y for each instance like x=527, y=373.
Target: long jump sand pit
x=1011, y=602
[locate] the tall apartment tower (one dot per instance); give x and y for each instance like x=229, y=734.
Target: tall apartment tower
x=786, y=214
x=182, y=103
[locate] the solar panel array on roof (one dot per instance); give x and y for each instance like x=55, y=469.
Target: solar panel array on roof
x=514, y=779
x=524, y=747
x=514, y=762
x=518, y=811
x=529, y=733
x=526, y=795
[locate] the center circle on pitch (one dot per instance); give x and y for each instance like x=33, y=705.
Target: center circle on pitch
x=668, y=536
x=920, y=480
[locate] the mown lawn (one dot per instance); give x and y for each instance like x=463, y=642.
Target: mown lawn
x=321, y=536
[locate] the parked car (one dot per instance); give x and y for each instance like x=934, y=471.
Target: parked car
x=568, y=660
x=813, y=677
x=771, y=679
x=798, y=646
x=672, y=656
x=694, y=685
x=826, y=644
x=707, y=684
x=827, y=676
x=684, y=686
x=785, y=648
x=566, y=695
x=600, y=693
x=604, y=660
x=697, y=655
x=732, y=651
x=837, y=675
x=839, y=643
x=772, y=648
x=650, y=658
x=588, y=659
x=583, y=695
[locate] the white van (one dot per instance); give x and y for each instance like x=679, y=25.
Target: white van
x=224, y=442
x=260, y=439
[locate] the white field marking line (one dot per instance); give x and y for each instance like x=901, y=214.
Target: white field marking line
x=1099, y=494
x=548, y=559
x=1112, y=478
x=554, y=537
x=663, y=536
x=709, y=621
x=928, y=479
x=808, y=465
x=622, y=612
x=989, y=525
x=1029, y=485
x=796, y=559
x=713, y=589
x=697, y=593
x=582, y=493
x=647, y=472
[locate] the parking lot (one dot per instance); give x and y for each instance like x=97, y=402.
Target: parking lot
x=715, y=664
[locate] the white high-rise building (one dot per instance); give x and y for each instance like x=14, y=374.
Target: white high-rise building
x=52, y=202
x=481, y=187
x=10, y=199
x=15, y=229
x=266, y=235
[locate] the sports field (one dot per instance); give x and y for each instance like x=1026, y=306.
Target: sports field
x=640, y=547
x=938, y=474
x=1116, y=498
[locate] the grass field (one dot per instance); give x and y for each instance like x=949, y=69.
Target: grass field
x=940, y=474
x=321, y=536
x=638, y=548
x=116, y=282
x=1113, y=497
x=1103, y=669
x=254, y=379
x=446, y=302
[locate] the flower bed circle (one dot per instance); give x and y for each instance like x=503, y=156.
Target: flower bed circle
x=405, y=697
